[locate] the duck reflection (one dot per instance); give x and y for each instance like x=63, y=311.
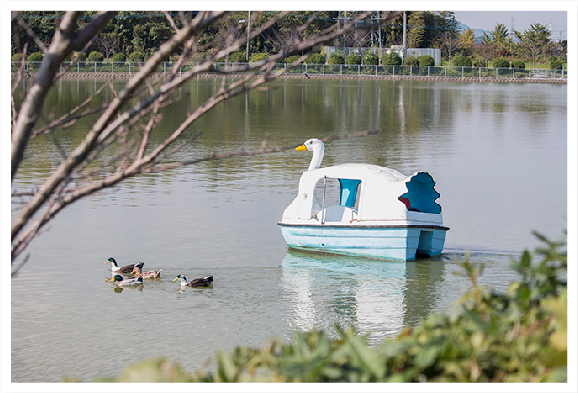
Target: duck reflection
x=376, y=297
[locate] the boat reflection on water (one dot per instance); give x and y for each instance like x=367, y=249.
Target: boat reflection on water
x=374, y=296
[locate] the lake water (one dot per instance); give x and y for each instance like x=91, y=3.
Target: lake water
x=496, y=151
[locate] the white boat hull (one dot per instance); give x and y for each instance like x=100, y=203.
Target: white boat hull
x=397, y=243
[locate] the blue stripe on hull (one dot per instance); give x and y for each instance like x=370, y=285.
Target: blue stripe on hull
x=398, y=244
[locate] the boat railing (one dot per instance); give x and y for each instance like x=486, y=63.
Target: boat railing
x=323, y=200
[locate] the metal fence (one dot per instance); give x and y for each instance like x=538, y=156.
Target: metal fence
x=316, y=69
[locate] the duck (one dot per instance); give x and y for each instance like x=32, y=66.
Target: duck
x=137, y=271
x=124, y=269
x=317, y=147
x=197, y=282
x=125, y=282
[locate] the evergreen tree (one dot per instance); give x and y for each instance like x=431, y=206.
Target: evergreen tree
x=415, y=30
x=498, y=39
x=533, y=42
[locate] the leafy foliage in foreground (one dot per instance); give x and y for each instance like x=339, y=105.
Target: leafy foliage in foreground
x=487, y=337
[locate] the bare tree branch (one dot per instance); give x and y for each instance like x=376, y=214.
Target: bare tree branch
x=99, y=130
x=68, y=118
x=82, y=171
x=63, y=44
x=31, y=33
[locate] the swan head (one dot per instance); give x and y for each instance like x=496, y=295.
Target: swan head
x=317, y=147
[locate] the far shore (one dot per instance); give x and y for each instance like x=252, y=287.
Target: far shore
x=126, y=75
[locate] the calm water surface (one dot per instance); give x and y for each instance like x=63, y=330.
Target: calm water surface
x=496, y=151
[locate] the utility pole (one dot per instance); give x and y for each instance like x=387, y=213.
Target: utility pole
x=404, y=34
x=379, y=31
x=248, y=34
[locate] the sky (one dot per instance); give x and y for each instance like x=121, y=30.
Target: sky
x=517, y=20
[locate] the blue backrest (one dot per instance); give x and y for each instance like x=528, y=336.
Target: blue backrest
x=348, y=191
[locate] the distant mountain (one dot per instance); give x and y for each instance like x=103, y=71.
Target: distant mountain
x=478, y=33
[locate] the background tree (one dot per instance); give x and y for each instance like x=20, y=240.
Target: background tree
x=106, y=43
x=450, y=44
x=41, y=23
x=358, y=39
x=498, y=36
x=485, y=51
x=438, y=25
x=282, y=36
x=467, y=39
x=532, y=43
x=415, y=30
x=562, y=49
x=129, y=117
x=392, y=34
x=497, y=39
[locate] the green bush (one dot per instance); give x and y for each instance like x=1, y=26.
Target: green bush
x=518, y=64
x=95, y=56
x=370, y=58
x=556, y=64
x=479, y=62
x=336, y=58
x=391, y=58
x=81, y=56
x=315, y=58
x=255, y=57
x=36, y=56
x=519, y=336
x=411, y=61
x=118, y=57
x=136, y=56
x=461, y=61
x=292, y=59
x=353, y=59
x=238, y=57
x=501, y=62
x=17, y=57
x=453, y=72
x=426, y=61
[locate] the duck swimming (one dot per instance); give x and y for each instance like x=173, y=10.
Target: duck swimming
x=197, y=282
x=137, y=271
x=124, y=269
x=125, y=282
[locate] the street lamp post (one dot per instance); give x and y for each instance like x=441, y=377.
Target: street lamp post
x=248, y=33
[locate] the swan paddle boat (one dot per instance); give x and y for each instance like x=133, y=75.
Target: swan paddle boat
x=377, y=212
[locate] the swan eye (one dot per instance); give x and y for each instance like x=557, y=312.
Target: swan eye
x=311, y=142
